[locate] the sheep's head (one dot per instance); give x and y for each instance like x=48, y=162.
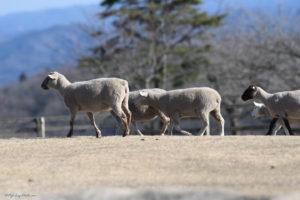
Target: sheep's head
x=249, y=93
x=50, y=81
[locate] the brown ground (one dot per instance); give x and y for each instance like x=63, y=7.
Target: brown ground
x=254, y=164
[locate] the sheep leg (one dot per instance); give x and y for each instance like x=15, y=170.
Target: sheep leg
x=115, y=116
x=122, y=116
x=287, y=125
x=171, y=128
x=137, y=129
x=217, y=115
x=271, y=126
x=126, y=110
x=177, y=127
x=204, y=117
x=133, y=123
x=285, y=130
x=92, y=120
x=166, y=122
x=118, y=120
x=71, y=128
x=277, y=128
x=73, y=115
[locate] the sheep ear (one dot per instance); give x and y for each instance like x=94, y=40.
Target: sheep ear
x=254, y=87
x=53, y=75
x=143, y=93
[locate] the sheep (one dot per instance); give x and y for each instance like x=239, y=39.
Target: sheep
x=260, y=110
x=141, y=113
x=95, y=95
x=281, y=105
x=190, y=102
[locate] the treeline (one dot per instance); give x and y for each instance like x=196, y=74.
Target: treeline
x=174, y=44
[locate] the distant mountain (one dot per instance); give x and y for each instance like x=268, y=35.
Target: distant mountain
x=35, y=51
x=13, y=25
x=33, y=41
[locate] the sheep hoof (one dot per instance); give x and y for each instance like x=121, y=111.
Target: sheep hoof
x=98, y=134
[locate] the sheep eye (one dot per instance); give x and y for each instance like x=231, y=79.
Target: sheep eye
x=253, y=88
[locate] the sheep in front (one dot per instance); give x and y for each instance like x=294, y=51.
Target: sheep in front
x=191, y=102
x=281, y=105
x=261, y=111
x=142, y=113
x=95, y=95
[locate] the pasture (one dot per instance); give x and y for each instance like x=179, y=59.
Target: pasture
x=254, y=165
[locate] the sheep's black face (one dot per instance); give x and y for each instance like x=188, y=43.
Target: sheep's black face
x=45, y=83
x=249, y=93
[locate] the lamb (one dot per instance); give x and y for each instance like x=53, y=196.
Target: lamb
x=141, y=113
x=191, y=102
x=260, y=110
x=95, y=95
x=281, y=105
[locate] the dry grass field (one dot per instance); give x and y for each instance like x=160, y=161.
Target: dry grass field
x=255, y=165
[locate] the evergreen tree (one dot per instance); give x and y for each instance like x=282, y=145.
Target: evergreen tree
x=153, y=43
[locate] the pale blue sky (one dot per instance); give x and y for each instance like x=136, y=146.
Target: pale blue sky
x=13, y=6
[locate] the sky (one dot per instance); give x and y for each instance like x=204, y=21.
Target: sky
x=252, y=4
x=14, y=6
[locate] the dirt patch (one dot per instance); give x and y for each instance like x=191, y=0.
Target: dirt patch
x=255, y=165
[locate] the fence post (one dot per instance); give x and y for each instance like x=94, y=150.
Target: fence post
x=40, y=122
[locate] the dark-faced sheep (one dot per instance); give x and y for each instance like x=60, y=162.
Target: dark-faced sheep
x=281, y=105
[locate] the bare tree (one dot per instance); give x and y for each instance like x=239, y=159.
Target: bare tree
x=153, y=43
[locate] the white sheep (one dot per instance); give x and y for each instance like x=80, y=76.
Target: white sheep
x=191, y=102
x=281, y=105
x=142, y=113
x=95, y=95
x=261, y=111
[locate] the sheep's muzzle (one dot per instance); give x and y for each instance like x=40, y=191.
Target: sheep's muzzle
x=44, y=84
x=249, y=93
